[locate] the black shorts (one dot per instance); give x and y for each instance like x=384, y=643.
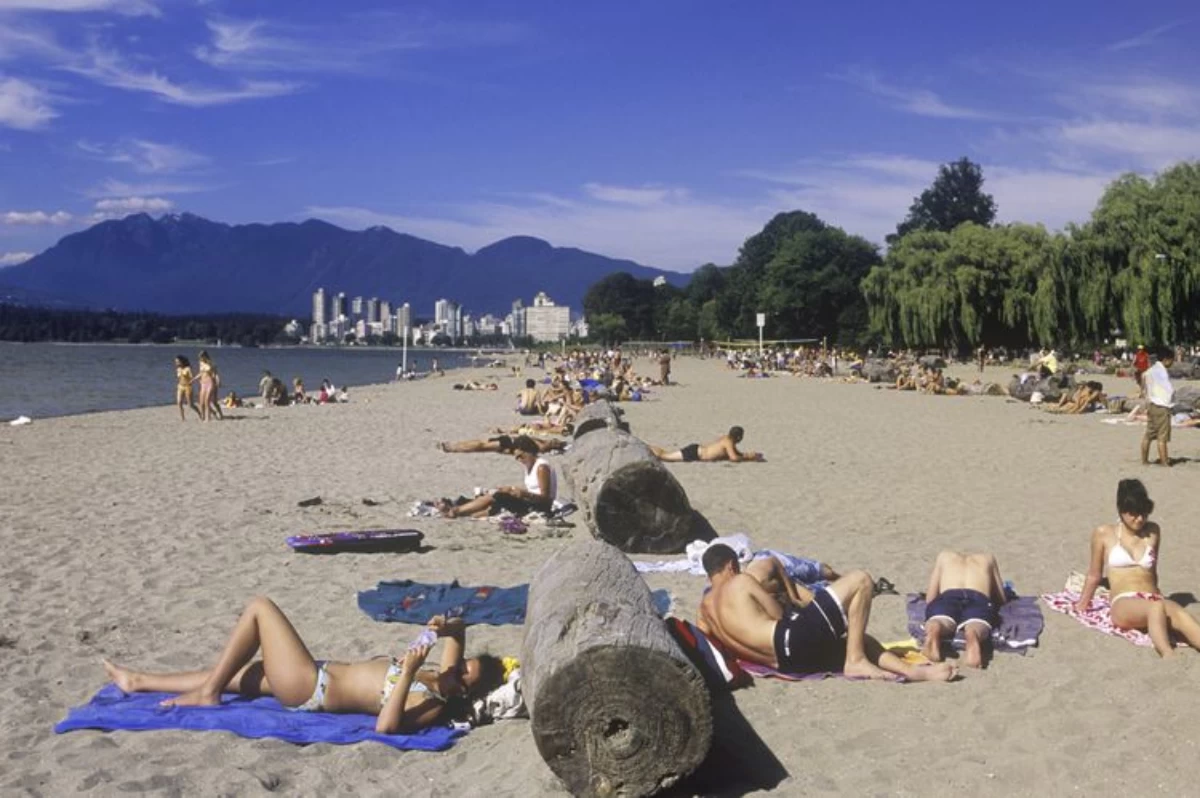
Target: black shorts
x=804, y=637
x=961, y=607
x=506, y=502
x=691, y=452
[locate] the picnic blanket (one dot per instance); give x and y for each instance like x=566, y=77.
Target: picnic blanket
x=1021, y=623
x=406, y=601
x=112, y=710
x=1098, y=615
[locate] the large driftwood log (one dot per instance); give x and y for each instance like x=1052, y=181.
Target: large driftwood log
x=879, y=371
x=602, y=414
x=615, y=706
x=1051, y=388
x=627, y=497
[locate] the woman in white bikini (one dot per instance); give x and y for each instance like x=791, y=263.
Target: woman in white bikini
x=404, y=696
x=1129, y=551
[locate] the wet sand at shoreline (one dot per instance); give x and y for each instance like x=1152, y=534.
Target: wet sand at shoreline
x=131, y=536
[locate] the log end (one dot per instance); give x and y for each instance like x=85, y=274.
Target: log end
x=623, y=721
x=642, y=508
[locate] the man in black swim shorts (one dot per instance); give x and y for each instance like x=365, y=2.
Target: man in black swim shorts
x=690, y=453
x=740, y=613
x=962, y=601
x=724, y=448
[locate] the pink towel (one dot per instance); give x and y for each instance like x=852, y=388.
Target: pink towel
x=1097, y=616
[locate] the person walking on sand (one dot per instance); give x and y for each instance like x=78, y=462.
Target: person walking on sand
x=1160, y=395
x=183, y=386
x=208, y=383
x=964, y=594
x=723, y=448
x=740, y=613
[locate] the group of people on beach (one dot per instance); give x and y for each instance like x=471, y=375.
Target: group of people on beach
x=755, y=612
x=271, y=390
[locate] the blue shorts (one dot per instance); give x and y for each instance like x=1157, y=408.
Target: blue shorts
x=961, y=607
x=804, y=638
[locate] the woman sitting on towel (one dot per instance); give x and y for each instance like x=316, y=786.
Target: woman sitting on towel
x=536, y=494
x=1128, y=550
x=404, y=696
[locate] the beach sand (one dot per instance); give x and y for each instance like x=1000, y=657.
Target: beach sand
x=131, y=536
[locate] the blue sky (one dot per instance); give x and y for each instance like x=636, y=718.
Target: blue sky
x=663, y=131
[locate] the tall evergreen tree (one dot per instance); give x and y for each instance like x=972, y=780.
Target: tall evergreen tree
x=955, y=197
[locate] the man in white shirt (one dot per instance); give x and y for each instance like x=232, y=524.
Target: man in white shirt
x=1161, y=396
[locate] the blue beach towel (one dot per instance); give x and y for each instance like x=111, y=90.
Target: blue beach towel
x=406, y=601
x=112, y=710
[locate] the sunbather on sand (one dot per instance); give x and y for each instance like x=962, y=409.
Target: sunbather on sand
x=775, y=579
x=502, y=444
x=536, y=494
x=748, y=619
x=1080, y=400
x=1128, y=551
x=404, y=696
x=965, y=592
x=723, y=448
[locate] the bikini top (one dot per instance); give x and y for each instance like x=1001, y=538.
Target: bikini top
x=1119, y=556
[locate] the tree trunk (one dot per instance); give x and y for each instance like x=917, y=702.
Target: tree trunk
x=615, y=706
x=601, y=414
x=627, y=497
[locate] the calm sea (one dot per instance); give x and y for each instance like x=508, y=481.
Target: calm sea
x=40, y=380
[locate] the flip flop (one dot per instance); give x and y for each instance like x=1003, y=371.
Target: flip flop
x=884, y=585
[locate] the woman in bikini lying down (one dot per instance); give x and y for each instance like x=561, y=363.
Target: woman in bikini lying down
x=399, y=691
x=1129, y=551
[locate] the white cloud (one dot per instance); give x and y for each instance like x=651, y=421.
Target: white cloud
x=120, y=207
x=24, y=106
x=13, y=258
x=110, y=69
x=147, y=157
x=921, y=102
x=35, y=217
x=643, y=196
x=1143, y=39
x=1139, y=145
x=120, y=188
x=130, y=7
x=679, y=232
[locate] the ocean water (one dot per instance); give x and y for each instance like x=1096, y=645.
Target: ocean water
x=40, y=380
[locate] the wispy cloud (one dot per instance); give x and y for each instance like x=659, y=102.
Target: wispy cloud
x=121, y=207
x=921, y=102
x=145, y=156
x=1143, y=39
x=24, y=106
x=129, y=7
x=110, y=68
x=643, y=196
x=30, y=218
x=121, y=188
x=13, y=258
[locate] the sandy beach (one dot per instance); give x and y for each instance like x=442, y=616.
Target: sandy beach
x=131, y=536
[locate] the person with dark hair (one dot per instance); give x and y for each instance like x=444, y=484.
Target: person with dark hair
x=536, y=494
x=183, y=387
x=722, y=449
x=1080, y=400
x=404, y=696
x=740, y=613
x=1160, y=397
x=528, y=401
x=1128, y=551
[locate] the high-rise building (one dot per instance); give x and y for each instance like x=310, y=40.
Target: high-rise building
x=403, y=319
x=356, y=307
x=518, y=319
x=373, y=310
x=545, y=321
x=385, y=309
x=318, y=310
x=338, y=308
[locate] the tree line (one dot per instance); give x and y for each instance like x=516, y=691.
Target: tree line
x=951, y=277
x=28, y=324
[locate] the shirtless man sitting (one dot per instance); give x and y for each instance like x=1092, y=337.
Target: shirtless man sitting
x=965, y=592
x=723, y=448
x=528, y=401
x=748, y=619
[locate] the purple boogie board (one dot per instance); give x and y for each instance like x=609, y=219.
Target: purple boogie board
x=367, y=541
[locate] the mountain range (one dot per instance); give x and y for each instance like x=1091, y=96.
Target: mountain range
x=186, y=264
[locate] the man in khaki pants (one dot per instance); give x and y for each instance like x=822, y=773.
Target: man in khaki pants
x=1161, y=396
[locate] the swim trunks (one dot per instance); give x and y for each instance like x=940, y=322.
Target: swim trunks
x=961, y=607
x=691, y=452
x=803, y=637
